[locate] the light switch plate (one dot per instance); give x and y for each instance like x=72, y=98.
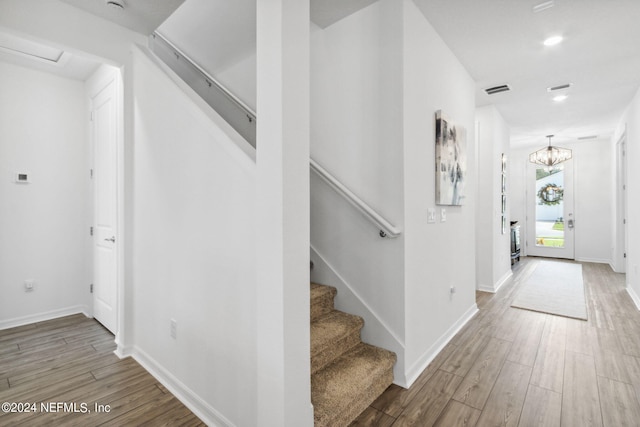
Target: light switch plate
x=443, y=215
x=431, y=215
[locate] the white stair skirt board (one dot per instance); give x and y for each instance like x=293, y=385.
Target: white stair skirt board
x=555, y=287
x=634, y=296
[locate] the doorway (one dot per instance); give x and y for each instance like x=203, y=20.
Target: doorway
x=551, y=222
x=105, y=128
x=621, y=205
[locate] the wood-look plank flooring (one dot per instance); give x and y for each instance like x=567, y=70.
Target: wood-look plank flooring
x=513, y=367
x=70, y=361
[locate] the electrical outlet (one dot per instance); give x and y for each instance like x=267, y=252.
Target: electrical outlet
x=174, y=329
x=29, y=285
x=452, y=289
x=443, y=215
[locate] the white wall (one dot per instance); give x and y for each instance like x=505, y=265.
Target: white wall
x=356, y=134
x=374, y=95
x=631, y=121
x=44, y=225
x=194, y=240
x=193, y=248
x=594, y=200
x=441, y=255
x=240, y=79
x=493, y=248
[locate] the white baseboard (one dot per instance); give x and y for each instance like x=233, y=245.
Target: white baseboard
x=123, y=352
x=634, y=296
x=595, y=260
x=427, y=357
x=191, y=400
x=493, y=289
x=41, y=317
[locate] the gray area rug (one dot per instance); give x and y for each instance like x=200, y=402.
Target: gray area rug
x=555, y=288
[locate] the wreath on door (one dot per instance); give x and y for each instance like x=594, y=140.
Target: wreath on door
x=550, y=194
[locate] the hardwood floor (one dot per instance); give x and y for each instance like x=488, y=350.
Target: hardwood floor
x=70, y=361
x=513, y=367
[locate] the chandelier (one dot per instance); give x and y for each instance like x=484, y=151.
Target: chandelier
x=550, y=156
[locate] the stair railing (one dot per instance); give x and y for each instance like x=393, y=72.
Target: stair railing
x=238, y=114
x=243, y=119
x=386, y=228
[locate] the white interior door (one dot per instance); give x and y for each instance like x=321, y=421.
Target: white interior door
x=550, y=216
x=105, y=133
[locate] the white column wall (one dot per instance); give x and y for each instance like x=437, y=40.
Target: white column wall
x=631, y=122
x=282, y=214
x=493, y=247
x=441, y=255
x=193, y=239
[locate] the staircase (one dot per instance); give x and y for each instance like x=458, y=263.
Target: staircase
x=347, y=375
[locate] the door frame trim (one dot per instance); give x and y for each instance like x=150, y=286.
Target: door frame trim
x=620, y=237
x=104, y=76
x=530, y=212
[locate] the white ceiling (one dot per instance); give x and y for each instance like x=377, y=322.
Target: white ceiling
x=498, y=41
x=142, y=16
x=25, y=52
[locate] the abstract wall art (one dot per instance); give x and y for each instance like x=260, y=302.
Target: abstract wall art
x=451, y=161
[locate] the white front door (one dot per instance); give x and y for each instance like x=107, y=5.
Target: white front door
x=550, y=217
x=105, y=246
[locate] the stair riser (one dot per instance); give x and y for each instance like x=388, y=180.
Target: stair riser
x=321, y=306
x=359, y=403
x=329, y=354
x=347, y=375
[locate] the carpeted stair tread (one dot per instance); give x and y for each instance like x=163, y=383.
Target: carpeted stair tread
x=344, y=388
x=332, y=334
x=321, y=299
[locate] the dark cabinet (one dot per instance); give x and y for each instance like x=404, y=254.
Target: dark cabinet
x=515, y=242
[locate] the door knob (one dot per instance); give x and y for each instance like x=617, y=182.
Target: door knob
x=112, y=239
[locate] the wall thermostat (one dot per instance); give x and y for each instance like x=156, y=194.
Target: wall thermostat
x=22, y=177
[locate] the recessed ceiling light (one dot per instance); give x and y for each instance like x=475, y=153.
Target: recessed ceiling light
x=552, y=41
x=560, y=98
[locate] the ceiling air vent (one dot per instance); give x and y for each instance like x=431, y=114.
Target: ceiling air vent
x=559, y=87
x=582, y=138
x=497, y=89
